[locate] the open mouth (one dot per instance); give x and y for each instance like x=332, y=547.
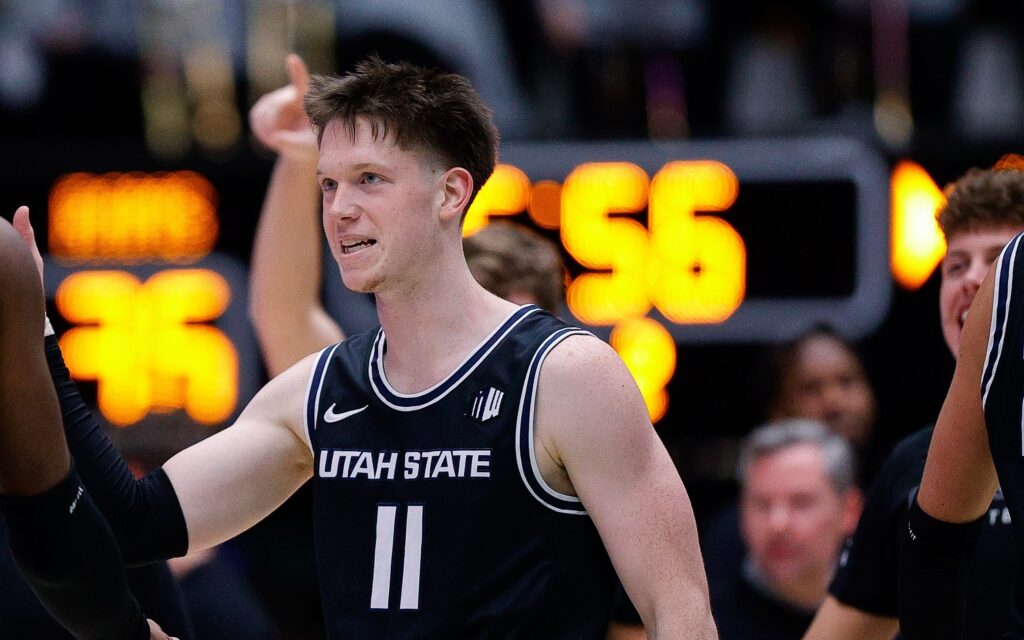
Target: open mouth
x=963, y=317
x=353, y=247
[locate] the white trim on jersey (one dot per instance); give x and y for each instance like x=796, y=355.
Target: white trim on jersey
x=316, y=401
x=995, y=310
x=377, y=355
x=530, y=387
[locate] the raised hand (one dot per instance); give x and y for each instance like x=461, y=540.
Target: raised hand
x=277, y=119
x=24, y=229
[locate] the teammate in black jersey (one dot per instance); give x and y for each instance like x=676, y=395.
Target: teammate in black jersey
x=56, y=535
x=863, y=603
x=402, y=153
x=978, y=432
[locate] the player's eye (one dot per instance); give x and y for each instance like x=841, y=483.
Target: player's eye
x=327, y=184
x=955, y=267
x=370, y=178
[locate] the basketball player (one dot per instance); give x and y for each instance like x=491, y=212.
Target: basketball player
x=478, y=466
x=61, y=544
x=983, y=211
x=507, y=259
x=976, y=445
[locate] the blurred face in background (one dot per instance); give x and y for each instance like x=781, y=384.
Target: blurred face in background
x=794, y=521
x=969, y=255
x=827, y=382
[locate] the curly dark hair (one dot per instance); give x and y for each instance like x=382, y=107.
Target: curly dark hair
x=420, y=108
x=983, y=198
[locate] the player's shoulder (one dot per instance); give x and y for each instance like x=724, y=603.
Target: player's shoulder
x=581, y=356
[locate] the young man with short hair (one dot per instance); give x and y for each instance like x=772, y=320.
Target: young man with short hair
x=983, y=211
x=478, y=466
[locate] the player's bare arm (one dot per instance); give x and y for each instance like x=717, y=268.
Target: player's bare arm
x=956, y=490
x=837, y=621
x=595, y=440
x=235, y=478
x=959, y=477
x=284, y=282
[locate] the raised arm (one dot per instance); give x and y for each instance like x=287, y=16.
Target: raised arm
x=203, y=495
x=284, y=281
x=593, y=423
x=60, y=542
x=956, y=490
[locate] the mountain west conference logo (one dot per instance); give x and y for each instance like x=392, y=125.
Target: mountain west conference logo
x=486, y=404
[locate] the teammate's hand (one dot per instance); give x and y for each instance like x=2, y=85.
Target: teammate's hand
x=156, y=633
x=277, y=119
x=24, y=228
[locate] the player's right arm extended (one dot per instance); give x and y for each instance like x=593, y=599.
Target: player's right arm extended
x=956, y=490
x=284, y=281
x=205, y=494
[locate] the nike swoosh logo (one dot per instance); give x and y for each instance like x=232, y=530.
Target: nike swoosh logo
x=330, y=416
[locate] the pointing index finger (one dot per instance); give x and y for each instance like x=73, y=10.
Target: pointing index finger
x=298, y=73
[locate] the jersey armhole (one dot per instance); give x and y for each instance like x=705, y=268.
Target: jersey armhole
x=313, y=388
x=1001, y=297
x=526, y=456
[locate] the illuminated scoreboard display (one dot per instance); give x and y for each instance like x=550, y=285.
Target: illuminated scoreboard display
x=664, y=244
x=725, y=241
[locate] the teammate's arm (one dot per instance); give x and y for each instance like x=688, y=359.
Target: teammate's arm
x=233, y=479
x=205, y=494
x=57, y=537
x=284, y=281
x=956, y=490
x=837, y=621
x=593, y=424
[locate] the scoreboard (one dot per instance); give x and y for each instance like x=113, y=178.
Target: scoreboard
x=664, y=243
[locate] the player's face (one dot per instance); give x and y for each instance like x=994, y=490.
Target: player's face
x=380, y=205
x=828, y=383
x=793, y=520
x=969, y=255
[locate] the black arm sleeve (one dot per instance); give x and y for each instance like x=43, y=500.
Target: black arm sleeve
x=67, y=554
x=934, y=559
x=144, y=514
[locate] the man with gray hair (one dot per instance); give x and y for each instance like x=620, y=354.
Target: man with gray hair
x=798, y=503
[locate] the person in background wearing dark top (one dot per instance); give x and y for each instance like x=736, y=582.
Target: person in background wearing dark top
x=55, y=534
x=816, y=375
x=798, y=502
x=820, y=376
x=984, y=210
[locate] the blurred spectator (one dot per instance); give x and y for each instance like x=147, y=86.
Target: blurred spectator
x=820, y=376
x=798, y=503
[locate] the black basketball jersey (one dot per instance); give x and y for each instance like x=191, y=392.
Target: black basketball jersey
x=1002, y=392
x=431, y=518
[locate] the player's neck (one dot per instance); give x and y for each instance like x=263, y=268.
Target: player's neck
x=431, y=331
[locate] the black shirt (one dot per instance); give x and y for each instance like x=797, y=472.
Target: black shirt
x=868, y=570
x=745, y=611
x=22, y=616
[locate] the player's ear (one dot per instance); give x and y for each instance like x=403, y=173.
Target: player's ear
x=458, y=188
